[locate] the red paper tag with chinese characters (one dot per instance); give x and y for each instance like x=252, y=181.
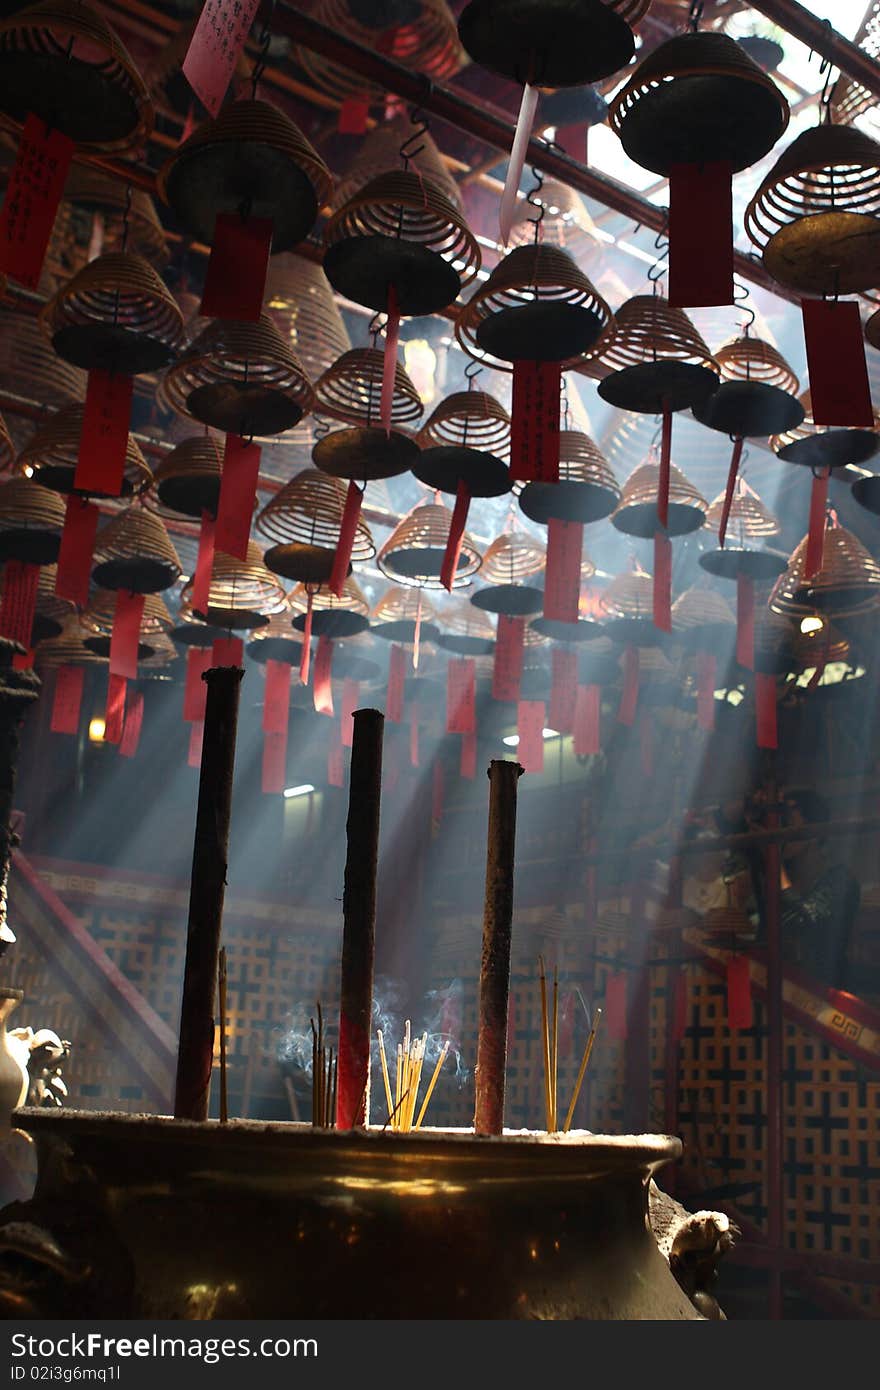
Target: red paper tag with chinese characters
x=396, y=678
x=33, y=192
x=276, y=697
x=347, y=532
x=739, y=993
x=274, y=769
x=351, y=694
x=700, y=235
x=227, y=651
x=100, y=462
x=508, y=664
x=765, y=709
x=235, y=281
x=321, y=687
x=534, y=421
x=615, y=1006
x=587, y=712
x=706, y=681
x=461, y=712
x=662, y=582
x=562, y=582
x=238, y=491
x=353, y=115
x=195, y=690
x=125, y=637
x=134, y=721
x=67, y=699
x=213, y=50
x=196, y=739
x=467, y=765
x=201, y=589
x=629, y=695
x=456, y=535
x=840, y=393
x=114, y=713
x=530, y=727
x=563, y=692
x=20, y=582
x=75, y=553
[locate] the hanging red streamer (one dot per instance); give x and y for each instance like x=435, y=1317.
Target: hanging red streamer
x=305, y=660
x=707, y=667
x=276, y=697
x=629, y=695
x=739, y=993
x=201, y=589
x=816, y=534
x=274, y=767
x=227, y=651
x=389, y=361
x=322, y=688
x=562, y=581
x=75, y=553
x=530, y=718
x=238, y=491
x=662, y=591
x=840, y=392
x=235, y=280
x=195, y=691
x=414, y=734
x=563, y=691
x=335, y=760
x=700, y=234
x=396, y=682
x=508, y=664
x=665, y=469
x=19, y=601
x=67, y=699
x=114, y=713
x=125, y=638
x=214, y=48
x=616, y=1006
x=347, y=532
x=732, y=474
x=461, y=707
x=452, y=553
x=196, y=739
x=765, y=709
x=745, y=621
x=103, y=441
x=534, y=421
x=587, y=714
x=351, y=693
x=131, y=730
x=467, y=765
x=33, y=191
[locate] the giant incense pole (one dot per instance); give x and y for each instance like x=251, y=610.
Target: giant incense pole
x=359, y=920
x=207, y=889
x=18, y=690
x=495, y=966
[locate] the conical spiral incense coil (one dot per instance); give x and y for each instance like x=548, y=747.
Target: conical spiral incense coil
x=379, y=153
x=187, y=481
x=29, y=366
x=96, y=622
x=31, y=522
x=241, y=378
x=566, y=223
x=753, y=359
x=536, y=305
x=251, y=154
x=554, y=43
x=822, y=647
x=51, y=454
x=50, y=612
x=301, y=304
x=464, y=443
x=275, y=641
x=512, y=557
x=654, y=356
x=243, y=593
x=847, y=584
x=815, y=215
x=331, y=616
x=402, y=614
x=465, y=629
x=701, y=608
x=749, y=519
x=587, y=489
x=757, y=396
x=728, y=922
x=351, y=391
x=62, y=61
x=813, y=446
x=400, y=231
x=698, y=98
x=303, y=521
x=629, y=595
x=162, y=653
x=636, y=513
x=65, y=649
x=134, y=552
x=105, y=222
x=413, y=553
x=426, y=43
x=115, y=314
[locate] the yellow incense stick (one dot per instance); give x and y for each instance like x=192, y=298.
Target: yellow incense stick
x=554, y=1049
x=546, y=1035
x=432, y=1083
x=385, y=1076
x=583, y=1067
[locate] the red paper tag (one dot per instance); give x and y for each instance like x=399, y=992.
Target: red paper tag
x=508, y=664
x=238, y=491
x=679, y=1006
x=530, y=716
x=114, y=713
x=629, y=695
x=396, y=678
x=201, y=589
x=195, y=691
x=456, y=534
x=646, y=743
x=732, y=473
x=739, y=993
x=563, y=692
x=816, y=534
x=840, y=393
x=562, y=581
x=347, y=532
x=196, y=739
x=127, y=617
x=100, y=461
x=235, y=280
x=700, y=234
x=534, y=421
x=227, y=651
x=461, y=711
x=437, y=790
x=662, y=582
x=615, y=1006
x=706, y=682
x=23, y=661
x=414, y=734
x=75, y=553
x=351, y=693
x=276, y=697
x=213, y=50
x=467, y=765
x=664, y=471
x=274, y=769
x=33, y=192
x=353, y=115
x=335, y=761
x=19, y=601
x=389, y=360
x=67, y=700
x=322, y=690
x=745, y=621
x=134, y=720
x=305, y=659
x=587, y=716
x=765, y=709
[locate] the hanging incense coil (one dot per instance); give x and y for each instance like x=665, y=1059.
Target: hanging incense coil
x=62, y=61
x=824, y=646
x=695, y=99
x=627, y=608
x=243, y=594
x=402, y=613
x=848, y=584
x=379, y=153
x=275, y=642
x=703, y=618
x=536, y=305
x=587, y=489
x=96, y=623
x=548, y=43
x=400, y=231
x=187, y=481
x=513, y=556
x=134, y=552
x=757, y=395
x=29, y=367
x=814, y=217
x=749, y=517
x=334, y=616
x=253, y=156
x=241, y=378
x=465, y=441
x=566, y=223
x=303, y=522
x=729, y=923
x=464, y=629
x=351, y=391
x=636, y=513
x=427, y=43
x=413, y=554
x=815, y=447
x=101, y=201
x=303, y=309
x=50, y=611
x=749, y=520
x=191, y=631
x=655, y=358
x=65, y=649
x=115, y=314
x=31, y=522
x=51, y=455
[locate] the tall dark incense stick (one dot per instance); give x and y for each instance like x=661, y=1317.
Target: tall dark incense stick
x=221, y=995
x=495, y=966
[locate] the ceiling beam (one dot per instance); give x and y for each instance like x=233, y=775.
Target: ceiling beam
x=822, y=38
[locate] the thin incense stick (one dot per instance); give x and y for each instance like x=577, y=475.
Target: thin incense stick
x=583, y=1067
x=385, y=1076
x=554, y=1048
x=545, y=1031
x=432, y=1083
x=221, y=989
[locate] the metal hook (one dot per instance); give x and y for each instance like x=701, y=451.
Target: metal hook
x=534, y=202
x=695, y=14
x=659, y=268
x=566, y=413
x=264, y=40
x=472, y=371
x=741, y=296
x=418, y=118
x=376, y=325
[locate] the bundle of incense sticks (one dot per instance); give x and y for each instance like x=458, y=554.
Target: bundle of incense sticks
x=324, y=1076
x=407, y=1078
x=550, y=1030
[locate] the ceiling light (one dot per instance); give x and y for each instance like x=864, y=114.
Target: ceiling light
x=96, y=730
x=512, y=740
x=812, y=623
x=304, y=790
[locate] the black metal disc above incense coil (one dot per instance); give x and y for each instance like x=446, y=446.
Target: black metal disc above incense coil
x=651, y=387
x=351, y=666
x=31, y=522
x=115, y=315
x=51, y=455
x=196, y=634
x=404, y=630
x=446, y=466
x=463, y=645
x=749, y=409
x=510, y=600
x=251, y=156
x=307, y=564
x=234, y=619
x=365, y=453
x=283, y=649
x=731, y=561
x=586, y=491
x=832, y=448
x=547, y=43
x=866, y=492
x=187, y=480
x=333, y=622
x=582, y=630
x=635, y=632
x=698, y=98
x=101, y=647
